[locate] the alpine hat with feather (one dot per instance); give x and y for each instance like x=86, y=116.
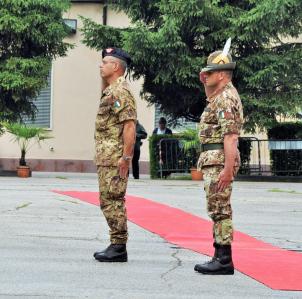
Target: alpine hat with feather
x=220, y=60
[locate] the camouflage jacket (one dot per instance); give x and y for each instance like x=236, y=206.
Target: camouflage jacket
x=117, y=105
x=223, y=115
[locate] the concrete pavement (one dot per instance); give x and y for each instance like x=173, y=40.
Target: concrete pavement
x=47, y=240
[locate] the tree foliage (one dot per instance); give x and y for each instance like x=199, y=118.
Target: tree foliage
x=169, y=41
x=31, y=36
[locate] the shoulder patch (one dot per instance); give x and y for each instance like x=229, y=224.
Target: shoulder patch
x=117, y=103
x=226, y=115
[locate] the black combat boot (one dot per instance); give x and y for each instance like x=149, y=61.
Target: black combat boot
x=221, y=264
x=216, y=246
x=113, y=253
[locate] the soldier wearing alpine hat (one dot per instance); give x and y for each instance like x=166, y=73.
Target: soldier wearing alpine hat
x=220, y=126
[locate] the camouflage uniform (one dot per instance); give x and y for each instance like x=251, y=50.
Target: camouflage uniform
x=117, y=105
x=223, y=115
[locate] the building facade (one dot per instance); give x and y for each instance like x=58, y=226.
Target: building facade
x=68, y=106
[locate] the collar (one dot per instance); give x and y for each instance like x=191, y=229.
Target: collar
x=108, y=89
x=213, y=96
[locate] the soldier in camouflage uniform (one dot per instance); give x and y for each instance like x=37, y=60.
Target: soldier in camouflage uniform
x=114, y=142
x=219, y=161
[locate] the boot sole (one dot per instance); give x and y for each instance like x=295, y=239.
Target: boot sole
x=117, y=260
x=222, y=272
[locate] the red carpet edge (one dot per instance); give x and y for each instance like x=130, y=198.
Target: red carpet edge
x=277, y=268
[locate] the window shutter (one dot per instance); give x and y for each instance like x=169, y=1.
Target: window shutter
x=43, y=104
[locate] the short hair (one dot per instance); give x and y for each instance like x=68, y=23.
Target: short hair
x=123, y=64
x=162, y=121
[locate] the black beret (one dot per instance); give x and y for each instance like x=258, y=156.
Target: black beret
x=118, y=53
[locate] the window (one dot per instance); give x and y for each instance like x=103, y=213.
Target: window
x=72, y=25
x=43, y=104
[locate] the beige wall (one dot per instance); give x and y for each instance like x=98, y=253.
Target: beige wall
x=75, y=95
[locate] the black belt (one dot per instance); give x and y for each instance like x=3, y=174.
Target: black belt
x=211, y=146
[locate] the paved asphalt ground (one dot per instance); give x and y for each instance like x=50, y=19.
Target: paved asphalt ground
x=47, y=240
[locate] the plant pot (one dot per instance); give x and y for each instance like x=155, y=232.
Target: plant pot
x=196, y=175
x=23, y=171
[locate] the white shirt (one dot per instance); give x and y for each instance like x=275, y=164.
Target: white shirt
x=160, y=132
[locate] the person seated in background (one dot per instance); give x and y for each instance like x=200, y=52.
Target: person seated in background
x=140, y=134
x=162, y=128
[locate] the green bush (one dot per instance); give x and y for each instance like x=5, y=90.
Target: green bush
x=286, y=130
x=286, y=161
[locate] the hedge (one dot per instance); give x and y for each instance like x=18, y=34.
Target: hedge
x=286, y=130
x=286, y=162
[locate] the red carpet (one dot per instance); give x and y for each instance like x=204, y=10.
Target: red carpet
x=277, y=268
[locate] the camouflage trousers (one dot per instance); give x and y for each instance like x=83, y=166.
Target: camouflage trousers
x=218, y=206
x=112, y=201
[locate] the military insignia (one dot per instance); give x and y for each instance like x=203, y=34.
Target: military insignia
x=223, y=57
x=226, y=115
x=109, y=50
x=117, y=104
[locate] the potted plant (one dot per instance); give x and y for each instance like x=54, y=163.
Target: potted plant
x=26, y=137
x=192, y=141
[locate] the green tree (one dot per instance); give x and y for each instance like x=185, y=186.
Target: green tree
x=31, y=36
x=169, y=41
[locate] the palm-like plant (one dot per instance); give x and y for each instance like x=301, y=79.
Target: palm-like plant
x=26, y=137
x=192, y=141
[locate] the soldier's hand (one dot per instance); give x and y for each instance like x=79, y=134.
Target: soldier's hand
x=224, y=180
x=123, y=168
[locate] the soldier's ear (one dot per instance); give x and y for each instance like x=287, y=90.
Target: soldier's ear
x=221, y=75
x=115, y=66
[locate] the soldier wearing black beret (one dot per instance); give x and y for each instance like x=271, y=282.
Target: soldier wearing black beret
x=114, y=143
